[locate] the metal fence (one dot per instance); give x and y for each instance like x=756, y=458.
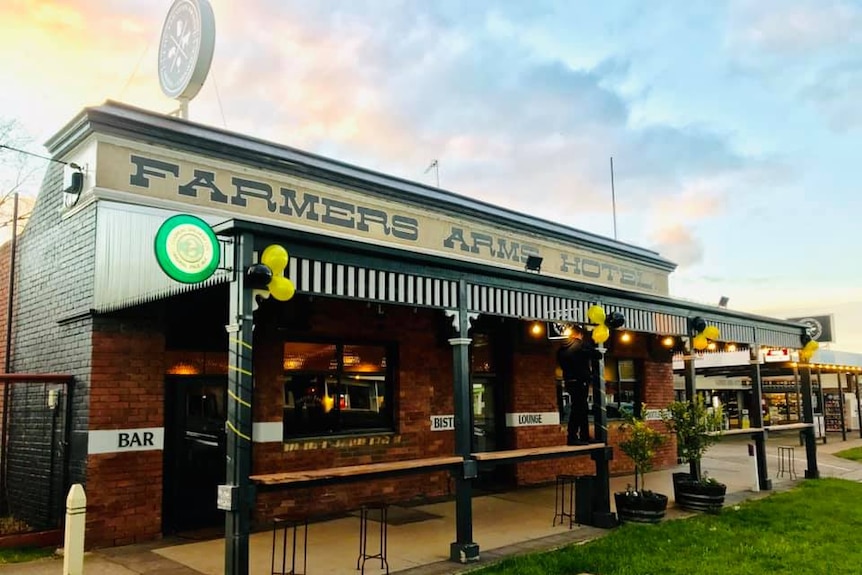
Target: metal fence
x=35, y=424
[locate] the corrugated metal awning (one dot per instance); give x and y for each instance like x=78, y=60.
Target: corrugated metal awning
x=126, y=270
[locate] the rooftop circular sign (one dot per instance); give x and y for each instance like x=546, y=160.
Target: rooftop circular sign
x=187, y=249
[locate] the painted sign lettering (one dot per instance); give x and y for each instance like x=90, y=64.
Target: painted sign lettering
x=319, y=207
x=123, y=440
x=532, y=419
x=442, y=422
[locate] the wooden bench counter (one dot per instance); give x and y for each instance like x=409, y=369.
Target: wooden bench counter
x=535, y=453
x=355, y=472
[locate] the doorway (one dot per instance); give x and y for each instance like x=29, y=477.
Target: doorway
x=195, y=448
x=489, y=432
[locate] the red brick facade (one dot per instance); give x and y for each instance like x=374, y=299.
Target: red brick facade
x=128, y=385
x=124, y=490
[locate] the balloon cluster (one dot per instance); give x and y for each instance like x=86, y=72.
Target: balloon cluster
x=604, y=322
x=703, y=333
x=807, y=351
x=268, y=275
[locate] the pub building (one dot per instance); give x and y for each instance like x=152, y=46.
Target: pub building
x=724, y=379
x=418, y=332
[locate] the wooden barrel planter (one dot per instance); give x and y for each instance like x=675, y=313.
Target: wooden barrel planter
x=697, y=496
x=640, y=509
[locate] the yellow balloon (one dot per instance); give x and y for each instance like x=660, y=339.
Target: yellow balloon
x=711, y=332
x=275, y=258
x=328, y=403
x=601, y=333
x=811, y=346
x=700, y=342
x=281, y=288
x=596, y=314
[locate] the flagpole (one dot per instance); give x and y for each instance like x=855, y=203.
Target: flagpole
x=613, y=198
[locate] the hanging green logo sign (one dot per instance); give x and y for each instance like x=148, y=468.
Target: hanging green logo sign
x=187, y=249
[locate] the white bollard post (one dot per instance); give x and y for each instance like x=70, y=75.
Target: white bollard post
x=76, y=520
x=752, y=452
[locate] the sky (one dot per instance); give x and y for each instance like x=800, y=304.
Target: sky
x=734, y=126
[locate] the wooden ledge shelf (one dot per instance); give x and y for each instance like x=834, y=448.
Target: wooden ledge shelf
x=789, y=426
x=534, y=453
x=746, y=431
x=356, y=472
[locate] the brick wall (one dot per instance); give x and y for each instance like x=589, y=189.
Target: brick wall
x=534, y=390
x=424, y=388
x=51, y=325
x=124, y=490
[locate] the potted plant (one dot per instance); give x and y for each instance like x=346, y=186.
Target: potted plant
x=697, y=427
x=640, y=442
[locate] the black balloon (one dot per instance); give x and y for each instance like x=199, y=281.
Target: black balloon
x=698, y=324
x=615, y=320
x=258, y=276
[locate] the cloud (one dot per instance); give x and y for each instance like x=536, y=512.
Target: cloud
x=798, y=28
x=836, y=92
x=392, y=85
x=679, y=244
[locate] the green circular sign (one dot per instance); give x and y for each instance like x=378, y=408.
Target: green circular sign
x=187, y=249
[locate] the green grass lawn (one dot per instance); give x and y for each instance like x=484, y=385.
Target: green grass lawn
x=854, y=454
x=814, y=528
x=21, y=555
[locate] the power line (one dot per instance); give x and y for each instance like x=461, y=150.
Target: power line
x=20, y=151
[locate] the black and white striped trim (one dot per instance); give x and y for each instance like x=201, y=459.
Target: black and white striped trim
x=354, y=282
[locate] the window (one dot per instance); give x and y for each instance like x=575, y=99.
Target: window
x=622, y=387
x=336, y=388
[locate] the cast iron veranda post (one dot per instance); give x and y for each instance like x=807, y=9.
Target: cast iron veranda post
x=858, y=403
x=463, y=549
x=821, y=400
x=808, y=417
x=691, y=393
x=756, y=419
x=602, y=516
x=239, y=416
x=841, y=406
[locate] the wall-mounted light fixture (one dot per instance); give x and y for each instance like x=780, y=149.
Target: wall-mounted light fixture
x=668, y=341
x=73, y=183
x=534, y=264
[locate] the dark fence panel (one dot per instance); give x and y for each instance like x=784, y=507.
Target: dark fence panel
x=34, y=455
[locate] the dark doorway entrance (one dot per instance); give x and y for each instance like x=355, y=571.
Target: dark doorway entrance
x=195, y=412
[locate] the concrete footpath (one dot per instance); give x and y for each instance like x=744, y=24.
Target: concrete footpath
x=505, y=524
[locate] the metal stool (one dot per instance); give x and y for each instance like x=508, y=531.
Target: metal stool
x=564, y=491
x=382, y=509
x=285, y=525
x=786, y=461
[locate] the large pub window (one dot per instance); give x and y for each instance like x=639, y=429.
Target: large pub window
x=337, y=388
x=623, y=387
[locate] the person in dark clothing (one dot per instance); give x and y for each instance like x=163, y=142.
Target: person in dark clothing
x=576, y=357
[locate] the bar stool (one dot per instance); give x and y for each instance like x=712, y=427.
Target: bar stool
x=284, y=525
x=786, y=461
x=564, y=490
x=383, y=510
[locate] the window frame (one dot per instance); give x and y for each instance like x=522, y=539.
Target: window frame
x=337, y=378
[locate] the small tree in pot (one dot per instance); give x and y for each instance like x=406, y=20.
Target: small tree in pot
x=640, y=444
x=697, y=427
